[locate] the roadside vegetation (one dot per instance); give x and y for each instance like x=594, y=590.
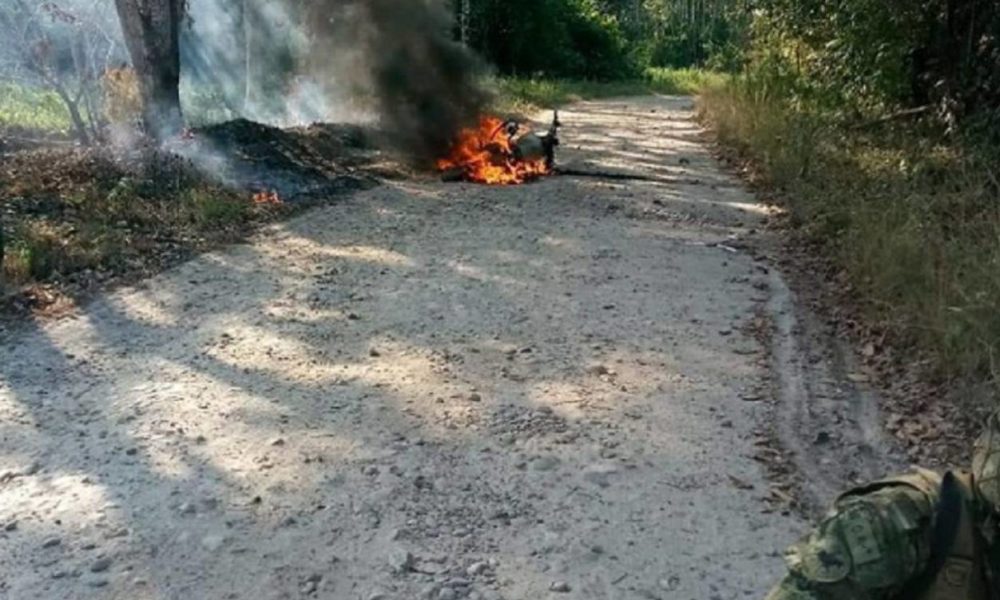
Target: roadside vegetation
x=878, y=133
x=524, y=95
x=74, y=220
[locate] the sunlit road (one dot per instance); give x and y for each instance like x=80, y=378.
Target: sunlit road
x=426, y=390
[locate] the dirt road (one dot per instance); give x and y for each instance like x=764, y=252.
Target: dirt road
x=424, y=391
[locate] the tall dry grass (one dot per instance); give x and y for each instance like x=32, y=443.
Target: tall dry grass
x=911, y=216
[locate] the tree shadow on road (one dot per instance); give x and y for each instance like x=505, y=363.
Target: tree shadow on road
x=277, y=417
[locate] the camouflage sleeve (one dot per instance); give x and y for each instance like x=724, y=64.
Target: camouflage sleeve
x=867, y=548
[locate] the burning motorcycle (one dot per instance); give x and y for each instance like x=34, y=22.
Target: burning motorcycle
x=500, y=152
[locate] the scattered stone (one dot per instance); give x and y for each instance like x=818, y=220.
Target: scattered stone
x=740, y=484
x=370, y=471
x=51, y=542
x=600, y=475
x=560, y=586
x=101, y=565
x=278, y=442
x=447, y=593
x=10, y=526
x=598, y=370
x=374, y=353
x=477, y=568
x=429, y=592
x=474, y=397
x=187, y=508
x=401, y=561
x=212, y=542
x=823, y=437
x=545, y=463
x=311, y=584
x=97, y=582
x=32, y=468
x=377, y=596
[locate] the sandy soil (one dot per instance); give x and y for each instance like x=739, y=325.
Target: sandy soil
x=424, y=391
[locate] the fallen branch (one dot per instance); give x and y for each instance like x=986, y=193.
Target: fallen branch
x=896, y=116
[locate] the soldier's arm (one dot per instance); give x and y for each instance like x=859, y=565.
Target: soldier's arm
x=868, y=547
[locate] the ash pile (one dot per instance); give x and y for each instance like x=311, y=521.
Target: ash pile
x=298, y=163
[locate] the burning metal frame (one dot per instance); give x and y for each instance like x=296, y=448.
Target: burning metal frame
x=499, y=152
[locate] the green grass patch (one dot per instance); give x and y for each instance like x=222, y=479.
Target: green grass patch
x=911, y=219
x=688, y=82
x=526, y=95
x=215, y=207
x=30, y=108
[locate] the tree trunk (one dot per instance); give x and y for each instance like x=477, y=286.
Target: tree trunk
x=74, y=114
x=152, y=34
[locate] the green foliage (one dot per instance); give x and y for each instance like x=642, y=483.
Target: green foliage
x=683, y=33
x=43, y=250
x=911, y=218
x=686, y=81
x=867, y=56
x=32, y=109
x=553, y=38
x=605, y=39
x=525, y=95
x=212, y=207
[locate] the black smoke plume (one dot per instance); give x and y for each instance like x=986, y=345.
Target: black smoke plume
x=286, y=62
x=426, y=85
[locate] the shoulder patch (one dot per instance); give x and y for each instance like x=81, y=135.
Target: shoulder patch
x=856, y=525
x=820, y=559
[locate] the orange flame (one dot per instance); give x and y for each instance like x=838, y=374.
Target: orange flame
x=268, y=198
x=487, y=156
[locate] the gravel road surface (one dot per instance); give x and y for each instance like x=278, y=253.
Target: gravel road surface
x=423, y=391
